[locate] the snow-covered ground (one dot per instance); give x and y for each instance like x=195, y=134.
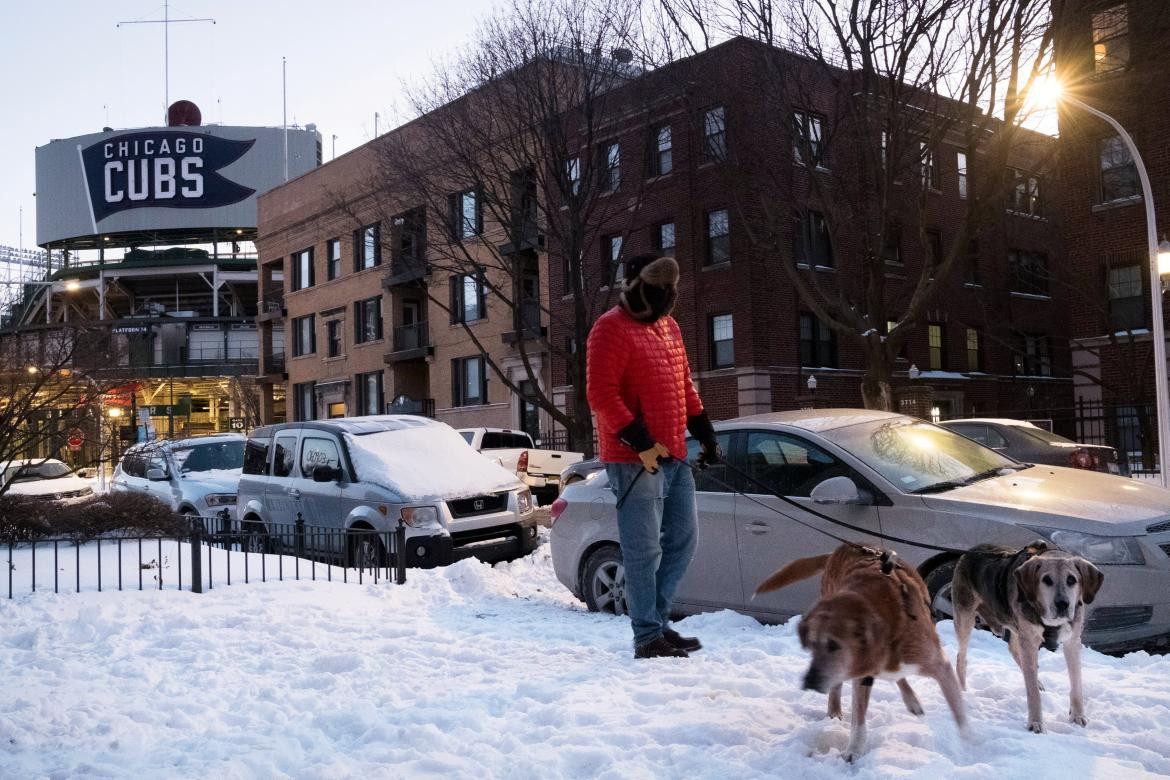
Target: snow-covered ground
x=473, y=671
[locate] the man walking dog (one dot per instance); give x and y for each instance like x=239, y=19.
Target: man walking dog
x=639, y=386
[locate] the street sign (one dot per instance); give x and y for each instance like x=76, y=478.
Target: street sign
x=160, y=411
x=236, y=423
x=75, y=440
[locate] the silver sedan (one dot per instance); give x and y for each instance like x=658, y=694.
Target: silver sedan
x=889, y=477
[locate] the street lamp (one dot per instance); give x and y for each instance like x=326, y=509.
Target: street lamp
x=1049, y=90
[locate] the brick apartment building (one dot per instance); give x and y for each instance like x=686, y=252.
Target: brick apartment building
x=993, y=344
x=353, y=319
x=1112, y=56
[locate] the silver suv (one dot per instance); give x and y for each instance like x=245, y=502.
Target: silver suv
x=195, y=476
x=453, y=502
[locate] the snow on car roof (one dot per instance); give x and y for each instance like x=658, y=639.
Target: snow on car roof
x=817, y=420
x=191, y=441
x=417, y=458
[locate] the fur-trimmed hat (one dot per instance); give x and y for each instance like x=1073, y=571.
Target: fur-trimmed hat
x=651, y=287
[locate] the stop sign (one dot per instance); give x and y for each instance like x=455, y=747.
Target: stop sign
x=76, y=439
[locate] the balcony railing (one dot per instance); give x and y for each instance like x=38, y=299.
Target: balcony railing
x=273, y=363
x=424, y=407
x=526, y=320
x=406, y=269
x=272, y=302
x=407, y=337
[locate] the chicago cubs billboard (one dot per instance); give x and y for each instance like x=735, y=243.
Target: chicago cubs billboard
x=157, y=179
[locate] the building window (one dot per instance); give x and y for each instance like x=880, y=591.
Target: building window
x=892, y=245
x=369, y=393
x=465, y=212
x=336, y=409
x=936, y=343
x=1029, y=272
x=302, y=269
x=611, y=257
x=367, y=321
x=1127, y=303
x=333, y=337
x=974, y=357
x=1119, y=177
x=971, y=263
x=722, y=341
x=1025, y=194
x=714, y=135
x=333, y=258
x=410, y=239
x=573, y=175
x=934, y=251
x=818, y=343
x=468, y=382
x=1032, y=356
x=718, y=237
x=806, y=138
x=611, y=167
x=664, y=236
x=929, y=161
x=1111, y=39
x=810, y=239
x=367, y=249
x=661, y=159
x=961, y=161
x=304, y=401
x=304, y=336
x=467, y=300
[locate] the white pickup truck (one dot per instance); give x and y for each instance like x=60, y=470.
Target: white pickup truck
x=515, y=451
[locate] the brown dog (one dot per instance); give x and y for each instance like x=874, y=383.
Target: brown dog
x=1031, y=597
x=872, y=620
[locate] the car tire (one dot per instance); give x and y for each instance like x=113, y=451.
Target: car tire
x=254, y=538
x=365, y=551
x=938, y=585
x=603, y=581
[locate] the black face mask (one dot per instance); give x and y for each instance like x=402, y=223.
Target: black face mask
x=649, y=302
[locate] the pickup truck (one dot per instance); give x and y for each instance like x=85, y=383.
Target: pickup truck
x=515, y=451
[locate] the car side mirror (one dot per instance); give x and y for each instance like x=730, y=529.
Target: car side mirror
x=326, y=474
x=156, y=475
x=839, y=490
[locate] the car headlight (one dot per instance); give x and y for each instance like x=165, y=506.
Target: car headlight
x=1105, y=550
x=420, y=516
x=524, y=501
x=220, y=499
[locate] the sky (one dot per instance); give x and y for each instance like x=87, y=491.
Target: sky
x=70, y=69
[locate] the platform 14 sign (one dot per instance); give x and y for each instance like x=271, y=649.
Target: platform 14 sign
x=161, y=168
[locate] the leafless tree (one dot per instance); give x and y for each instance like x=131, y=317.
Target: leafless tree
x=46, y=392
x=506, y=157
x=867, y=92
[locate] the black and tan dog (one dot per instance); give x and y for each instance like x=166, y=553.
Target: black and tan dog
x=872, y=620
x=1032, y=597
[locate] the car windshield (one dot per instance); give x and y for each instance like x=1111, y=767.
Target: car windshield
x=919, y=457
x=213, y=456
x=52, y=469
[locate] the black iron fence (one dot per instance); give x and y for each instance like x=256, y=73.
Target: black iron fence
x=216, y=551
x=1130, y=428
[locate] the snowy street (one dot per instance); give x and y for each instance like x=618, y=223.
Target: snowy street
x=472, y=671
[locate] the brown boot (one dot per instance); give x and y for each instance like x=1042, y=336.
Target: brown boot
x=687, y=643
x=659, y=648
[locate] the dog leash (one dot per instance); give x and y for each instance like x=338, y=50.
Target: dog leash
x=769, y=491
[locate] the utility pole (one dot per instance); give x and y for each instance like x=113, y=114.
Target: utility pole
x=166, y=22
x=284, y=109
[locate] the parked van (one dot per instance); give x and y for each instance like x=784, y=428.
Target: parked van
x=369, y=472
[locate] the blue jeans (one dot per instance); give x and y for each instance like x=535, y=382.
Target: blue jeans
x=657, y=528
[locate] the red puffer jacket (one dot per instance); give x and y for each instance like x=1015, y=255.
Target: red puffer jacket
x=639, y=368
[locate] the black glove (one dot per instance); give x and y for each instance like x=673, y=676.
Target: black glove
x=700, y=427
x=636, y=436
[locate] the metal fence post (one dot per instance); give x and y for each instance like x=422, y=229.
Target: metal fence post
x=196, y=555
x=400, y=553
x=300, y=536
